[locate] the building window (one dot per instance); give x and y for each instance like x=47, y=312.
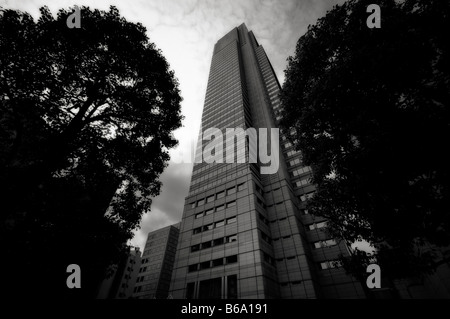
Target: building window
x=330, y=242
x=217, y=262
x=210, y=289
x=201, y=202
x=241, y=187
x=143, y=269
x=219, y=208
x=268, y=259
x=231, y=190
x=259, y=190
x=231, y=204
x=261, y=217
x=318, y=225
x=306, y=196
x=215, y=242
x=209, y=211
x=266, y=238
x=193, y=205
x=220, y=194
x=213, y=263
x=205, y=265
x=213, y=225
x=220, y=223
x=302, y=182
x=301, y=171
x=294, y=162
x=231, y=259
x=231, y=238
x=208, y=227
x=198, y=215
x=325, y=243
x=210, y=199
x=192, y=268
x=206, y=244
x=330, y=264
x=292, y=152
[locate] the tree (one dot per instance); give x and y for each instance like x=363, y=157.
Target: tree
x=86, y=117
x=369, y=111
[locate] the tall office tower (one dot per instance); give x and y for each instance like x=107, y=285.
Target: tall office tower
x=245, y=234
x=153, y=279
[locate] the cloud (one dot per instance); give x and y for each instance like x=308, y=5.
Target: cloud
x=167, y=207
x=154, y=220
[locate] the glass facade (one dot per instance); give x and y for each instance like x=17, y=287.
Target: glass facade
x=245, y=234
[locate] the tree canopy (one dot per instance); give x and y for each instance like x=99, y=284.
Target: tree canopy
x=369, y=111
x=87, y=116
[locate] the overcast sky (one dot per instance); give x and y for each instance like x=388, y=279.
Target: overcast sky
x=186, y=31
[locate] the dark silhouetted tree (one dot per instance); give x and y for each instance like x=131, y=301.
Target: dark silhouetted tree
x=369, y=111
x=87, y=116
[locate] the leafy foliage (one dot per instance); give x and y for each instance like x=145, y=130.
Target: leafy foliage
x=86, y=123
x=369, y=109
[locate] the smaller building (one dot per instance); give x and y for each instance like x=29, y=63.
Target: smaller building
x=120, y=285
x=155, y=273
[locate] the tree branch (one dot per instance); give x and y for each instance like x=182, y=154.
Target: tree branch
x=100, y=117
x=93, y=111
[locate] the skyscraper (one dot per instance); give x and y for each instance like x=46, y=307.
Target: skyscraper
x=246, y=234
